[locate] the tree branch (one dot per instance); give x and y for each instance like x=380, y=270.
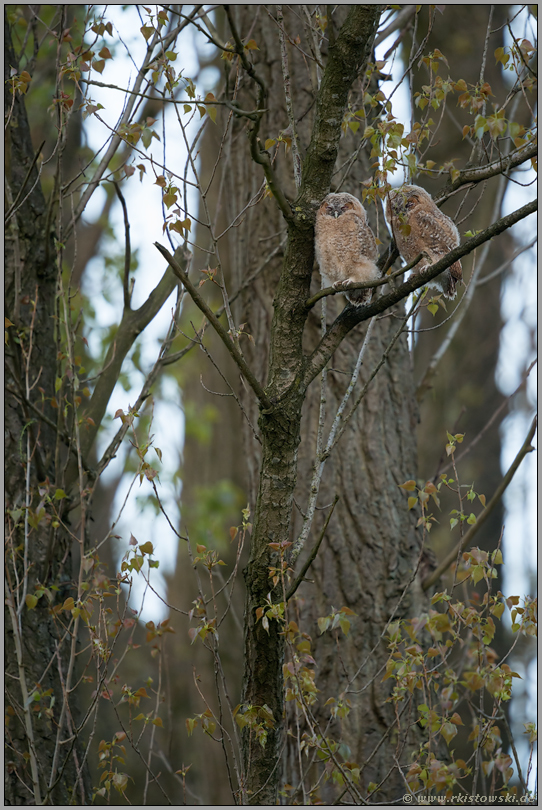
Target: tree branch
x=500, y=166
x=462, y=545
x=202, y=304
x=351, y=316
x=127, y=249
x=312, y=556
x=362, y=285
x=259, y=156
x=132, y=324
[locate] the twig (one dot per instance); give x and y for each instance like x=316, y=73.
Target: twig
x=312, y=556
x=502, y=267
x=127, y=249
x=323, y=455
x=451, y=557
x=288, y=96
x=24, y=694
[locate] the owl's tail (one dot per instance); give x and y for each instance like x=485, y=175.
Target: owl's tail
x=359, y=297
x=450, y=279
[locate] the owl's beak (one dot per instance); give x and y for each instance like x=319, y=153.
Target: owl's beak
x=336, y=214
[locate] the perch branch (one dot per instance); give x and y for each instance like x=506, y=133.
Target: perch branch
x=362, y=285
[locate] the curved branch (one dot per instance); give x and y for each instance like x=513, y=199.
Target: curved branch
x=202, y=304
x=132, y=324
x=351, y=315
x=499, y=166
x=259, y=156
x=462, y=545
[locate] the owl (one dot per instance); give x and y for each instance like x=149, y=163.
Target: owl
x=345, y=245
x=418, y=226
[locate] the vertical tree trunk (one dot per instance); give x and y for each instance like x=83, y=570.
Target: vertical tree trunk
x=36, y=661
x=371, y=530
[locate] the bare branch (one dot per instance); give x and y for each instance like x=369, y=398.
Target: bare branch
x=288, y=96
x=499, y=166
x=127, y=249
x=217, y=326
x=312, y=556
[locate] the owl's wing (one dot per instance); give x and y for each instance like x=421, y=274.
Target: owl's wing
x=440, y=235
x=437, y=231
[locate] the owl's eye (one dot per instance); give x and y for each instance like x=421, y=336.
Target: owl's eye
x=410, y=203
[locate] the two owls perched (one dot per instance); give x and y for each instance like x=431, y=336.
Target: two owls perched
x=346, y=247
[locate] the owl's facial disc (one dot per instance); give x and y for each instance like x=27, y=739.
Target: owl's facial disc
x=333, y=210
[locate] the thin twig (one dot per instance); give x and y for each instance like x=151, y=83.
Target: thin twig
x=288, y=96
x=312, y=556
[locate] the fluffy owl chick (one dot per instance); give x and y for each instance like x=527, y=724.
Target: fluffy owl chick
x=418, y=226
x=345, y=245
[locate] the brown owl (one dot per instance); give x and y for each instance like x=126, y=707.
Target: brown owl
x=419, y=227
x=345, y=245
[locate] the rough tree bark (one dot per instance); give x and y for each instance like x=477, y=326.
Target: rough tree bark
x=31, y=641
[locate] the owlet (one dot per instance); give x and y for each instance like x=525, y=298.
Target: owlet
x=418, y=226
x=345, y=245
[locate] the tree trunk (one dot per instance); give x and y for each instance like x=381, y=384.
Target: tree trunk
x=36, y=554
x=371, y=530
